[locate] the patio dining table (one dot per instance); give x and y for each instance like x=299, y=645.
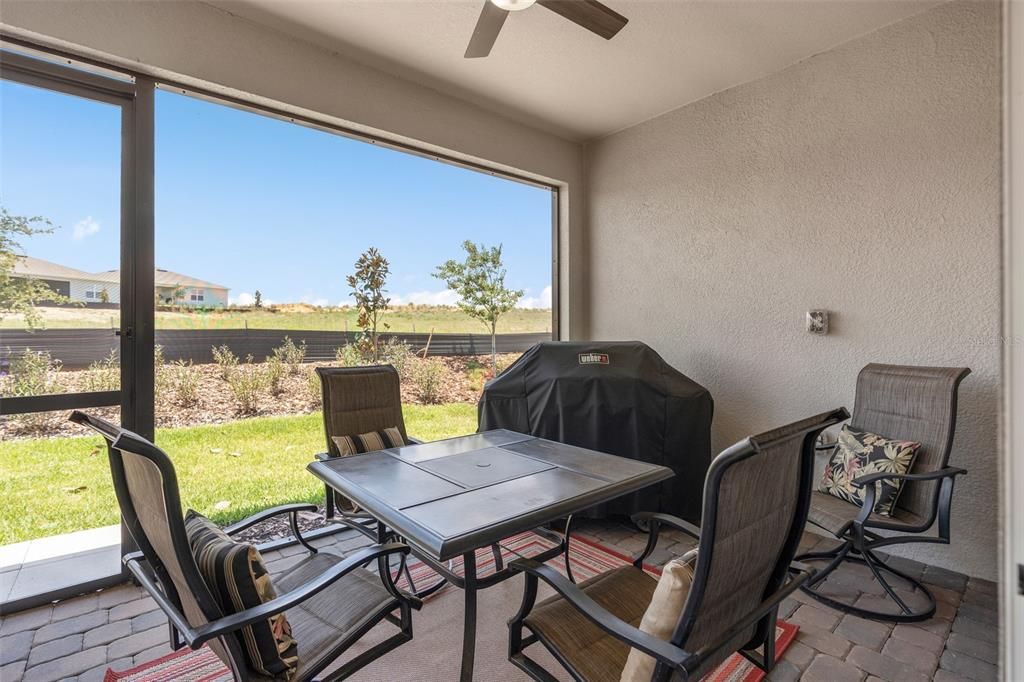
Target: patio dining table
x=449, y=498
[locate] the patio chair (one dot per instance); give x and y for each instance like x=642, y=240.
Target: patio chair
x=358, y=400
x=916, y=404
x=756, y=499
x=328, y=600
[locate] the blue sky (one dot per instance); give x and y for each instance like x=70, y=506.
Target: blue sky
x=251, y=203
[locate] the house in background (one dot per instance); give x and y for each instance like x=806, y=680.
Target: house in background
x=172, y=288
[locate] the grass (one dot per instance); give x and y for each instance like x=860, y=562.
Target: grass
x=59, y=485
x=440, y=319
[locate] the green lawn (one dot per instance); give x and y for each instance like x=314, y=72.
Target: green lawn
x=59, y=485
x=442, y=320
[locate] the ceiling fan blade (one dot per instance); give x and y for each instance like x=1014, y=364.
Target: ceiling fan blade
x=590, y=14
x=492, y=18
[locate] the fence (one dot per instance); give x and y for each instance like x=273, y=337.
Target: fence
x=77, y=348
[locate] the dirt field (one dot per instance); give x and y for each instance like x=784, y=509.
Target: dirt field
x=410, y=318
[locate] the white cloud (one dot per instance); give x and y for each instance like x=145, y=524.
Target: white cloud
x=243, y=298
x=443, y=297
x=308, y=299
x=86, y=227
x=542, y=301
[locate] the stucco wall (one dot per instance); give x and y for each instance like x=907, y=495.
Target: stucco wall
x=198, y=44
x=865, y=180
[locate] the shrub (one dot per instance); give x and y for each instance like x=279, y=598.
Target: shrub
x=505, y=361
x=225, y=359
x=314, y=389
x=162, y=373
x=183, y=382
x=291, y=355
x=247, y=383
x=348, y=355
x=478, y=377
x=397, y=354
x=274, y=371
x=104, y=375
x=33, y=373
x=428, y=377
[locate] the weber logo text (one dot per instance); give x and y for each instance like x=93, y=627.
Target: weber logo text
x=593, y=358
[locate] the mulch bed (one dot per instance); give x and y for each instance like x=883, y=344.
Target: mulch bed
x=280, y=527
x=215, y=404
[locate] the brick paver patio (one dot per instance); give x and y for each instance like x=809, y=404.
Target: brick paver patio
x=77, y=639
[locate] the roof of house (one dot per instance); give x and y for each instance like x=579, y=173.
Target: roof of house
x=163, y=278
x=27, y=266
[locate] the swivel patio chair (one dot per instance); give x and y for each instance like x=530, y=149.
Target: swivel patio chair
x=329, y=601
x=916, y=404
x=756, y=499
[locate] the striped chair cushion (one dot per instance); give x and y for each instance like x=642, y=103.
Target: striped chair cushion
x=368, y=442
x=236, y=576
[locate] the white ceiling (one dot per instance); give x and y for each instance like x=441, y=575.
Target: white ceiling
x=550, y=73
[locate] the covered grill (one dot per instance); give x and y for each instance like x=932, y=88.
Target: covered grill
x=619, y=397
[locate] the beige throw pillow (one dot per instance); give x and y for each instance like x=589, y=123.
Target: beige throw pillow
x=661, y=616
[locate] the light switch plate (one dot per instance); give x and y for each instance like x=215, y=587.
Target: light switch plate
x=817, y=321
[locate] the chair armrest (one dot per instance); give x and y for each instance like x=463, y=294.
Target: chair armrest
x=868, y=479
x=267, y=514
x=655, y=521
x=322, y=456
x=947, y=476
x=196, y=637
x=661, y=650
x=300, y=594
x=416, y=441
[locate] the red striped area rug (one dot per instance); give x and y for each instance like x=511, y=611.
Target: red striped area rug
x=587, y=557
x=182, y=665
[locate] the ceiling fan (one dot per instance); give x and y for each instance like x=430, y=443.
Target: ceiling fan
x=590, y=14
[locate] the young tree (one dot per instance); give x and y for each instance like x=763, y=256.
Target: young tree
x=257, y=299
x=19, y=295
x=367, y=284
x=480, y=283
x=178, y=294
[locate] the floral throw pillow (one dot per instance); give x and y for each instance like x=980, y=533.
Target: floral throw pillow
x=860, y=453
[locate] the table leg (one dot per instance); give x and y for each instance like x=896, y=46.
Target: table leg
x=499, y=563
x=469, y=624
x=568, y=557
x=384, y=562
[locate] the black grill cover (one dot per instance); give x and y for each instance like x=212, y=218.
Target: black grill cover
x=618, y=397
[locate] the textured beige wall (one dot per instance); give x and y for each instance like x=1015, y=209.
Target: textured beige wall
x=198, y=44
x=865, y=180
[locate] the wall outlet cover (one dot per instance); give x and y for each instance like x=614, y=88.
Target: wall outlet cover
x=817, y=321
